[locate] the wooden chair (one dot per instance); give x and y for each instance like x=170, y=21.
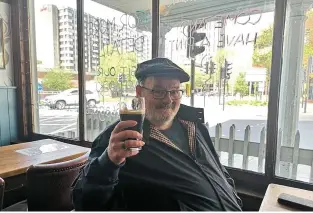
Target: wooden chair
x=48, y=186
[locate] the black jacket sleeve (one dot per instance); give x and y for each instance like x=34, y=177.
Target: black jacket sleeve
x=95, y=186
x=231, y=182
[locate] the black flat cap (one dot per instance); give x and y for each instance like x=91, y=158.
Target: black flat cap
x=161, y=67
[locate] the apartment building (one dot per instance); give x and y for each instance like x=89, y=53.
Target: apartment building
x=61, y=38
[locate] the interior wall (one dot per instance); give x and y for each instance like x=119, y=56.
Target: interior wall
x=8, y=121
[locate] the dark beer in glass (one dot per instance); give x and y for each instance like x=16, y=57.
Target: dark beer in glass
x=133, y=110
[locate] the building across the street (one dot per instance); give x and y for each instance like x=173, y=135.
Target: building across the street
x=256, y=78
x=56, y=38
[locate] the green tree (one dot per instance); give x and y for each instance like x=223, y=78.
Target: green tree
x=262, y=55
x=308, y=46
x=241, y=86
x=113, y=63
x=57, y=80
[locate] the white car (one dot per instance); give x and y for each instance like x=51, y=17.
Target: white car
x=70, y=98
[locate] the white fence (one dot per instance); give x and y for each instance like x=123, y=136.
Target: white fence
x=295, y=156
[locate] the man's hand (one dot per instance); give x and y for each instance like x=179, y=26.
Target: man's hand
x=119, y=142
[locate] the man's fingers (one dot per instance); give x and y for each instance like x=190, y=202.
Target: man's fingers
x=123, y=125
x=127, y=144
x=131, y=152
x=123, y=149
x=133, y=144
x=124, y=135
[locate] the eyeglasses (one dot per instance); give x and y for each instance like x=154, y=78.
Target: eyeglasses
x=160, y=94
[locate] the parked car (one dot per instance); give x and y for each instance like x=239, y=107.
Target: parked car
x=70, y=98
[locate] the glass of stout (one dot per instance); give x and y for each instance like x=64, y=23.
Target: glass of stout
x=133, y=109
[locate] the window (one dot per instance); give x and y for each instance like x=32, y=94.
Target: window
x=57, y=112
x=227, y=58
x=105, y=87
x=295, y=123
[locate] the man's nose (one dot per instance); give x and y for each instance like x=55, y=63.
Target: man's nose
x=167, y=99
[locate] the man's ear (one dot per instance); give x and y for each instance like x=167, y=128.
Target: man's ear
x=138, y=91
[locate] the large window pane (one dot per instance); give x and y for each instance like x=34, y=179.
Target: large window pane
x=54, y=58
x=295, y=145
x=232, y=66
x=115, y=41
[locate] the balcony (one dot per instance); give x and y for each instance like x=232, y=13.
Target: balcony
x=64, y=64
x=67, y=45
x=66, y=32
x=66, y=39
x=64, y=58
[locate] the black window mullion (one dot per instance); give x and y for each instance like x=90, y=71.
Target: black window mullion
x=81, y=67
x=155, y=27
x=273, y=103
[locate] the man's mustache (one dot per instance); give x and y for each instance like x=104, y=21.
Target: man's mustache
x=165, y=106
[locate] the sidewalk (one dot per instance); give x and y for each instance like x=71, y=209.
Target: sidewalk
x=308, y=116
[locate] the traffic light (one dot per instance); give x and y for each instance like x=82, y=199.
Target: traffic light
x=212, y=67
x=193, y=38
x=227, y=71
x=207, y=67
x=188, y=92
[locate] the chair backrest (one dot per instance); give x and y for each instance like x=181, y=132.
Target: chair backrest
x=1, y=192
x=49, y=185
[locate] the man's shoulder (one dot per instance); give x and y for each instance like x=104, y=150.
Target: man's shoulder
x=192, y=114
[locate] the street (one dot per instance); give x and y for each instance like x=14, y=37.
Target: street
x=54, y=121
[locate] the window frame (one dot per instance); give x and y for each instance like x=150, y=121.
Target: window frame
x=247, y=182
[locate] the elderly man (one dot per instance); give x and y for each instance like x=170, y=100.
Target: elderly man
x=177, y=168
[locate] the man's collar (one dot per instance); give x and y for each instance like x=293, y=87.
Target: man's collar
x=189, y=113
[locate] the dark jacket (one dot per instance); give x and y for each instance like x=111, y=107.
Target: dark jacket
x=160, y=177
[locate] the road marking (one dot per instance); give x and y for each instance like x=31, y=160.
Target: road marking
x=41, y=120
x=63, y=128
x=62, y=120
x=52, y=124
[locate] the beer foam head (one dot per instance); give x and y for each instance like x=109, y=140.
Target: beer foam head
x=133, y=112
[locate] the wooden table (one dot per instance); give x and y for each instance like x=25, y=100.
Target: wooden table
x=270, y=203
x=16, y=159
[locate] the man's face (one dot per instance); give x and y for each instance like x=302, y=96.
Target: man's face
x=160, y=111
